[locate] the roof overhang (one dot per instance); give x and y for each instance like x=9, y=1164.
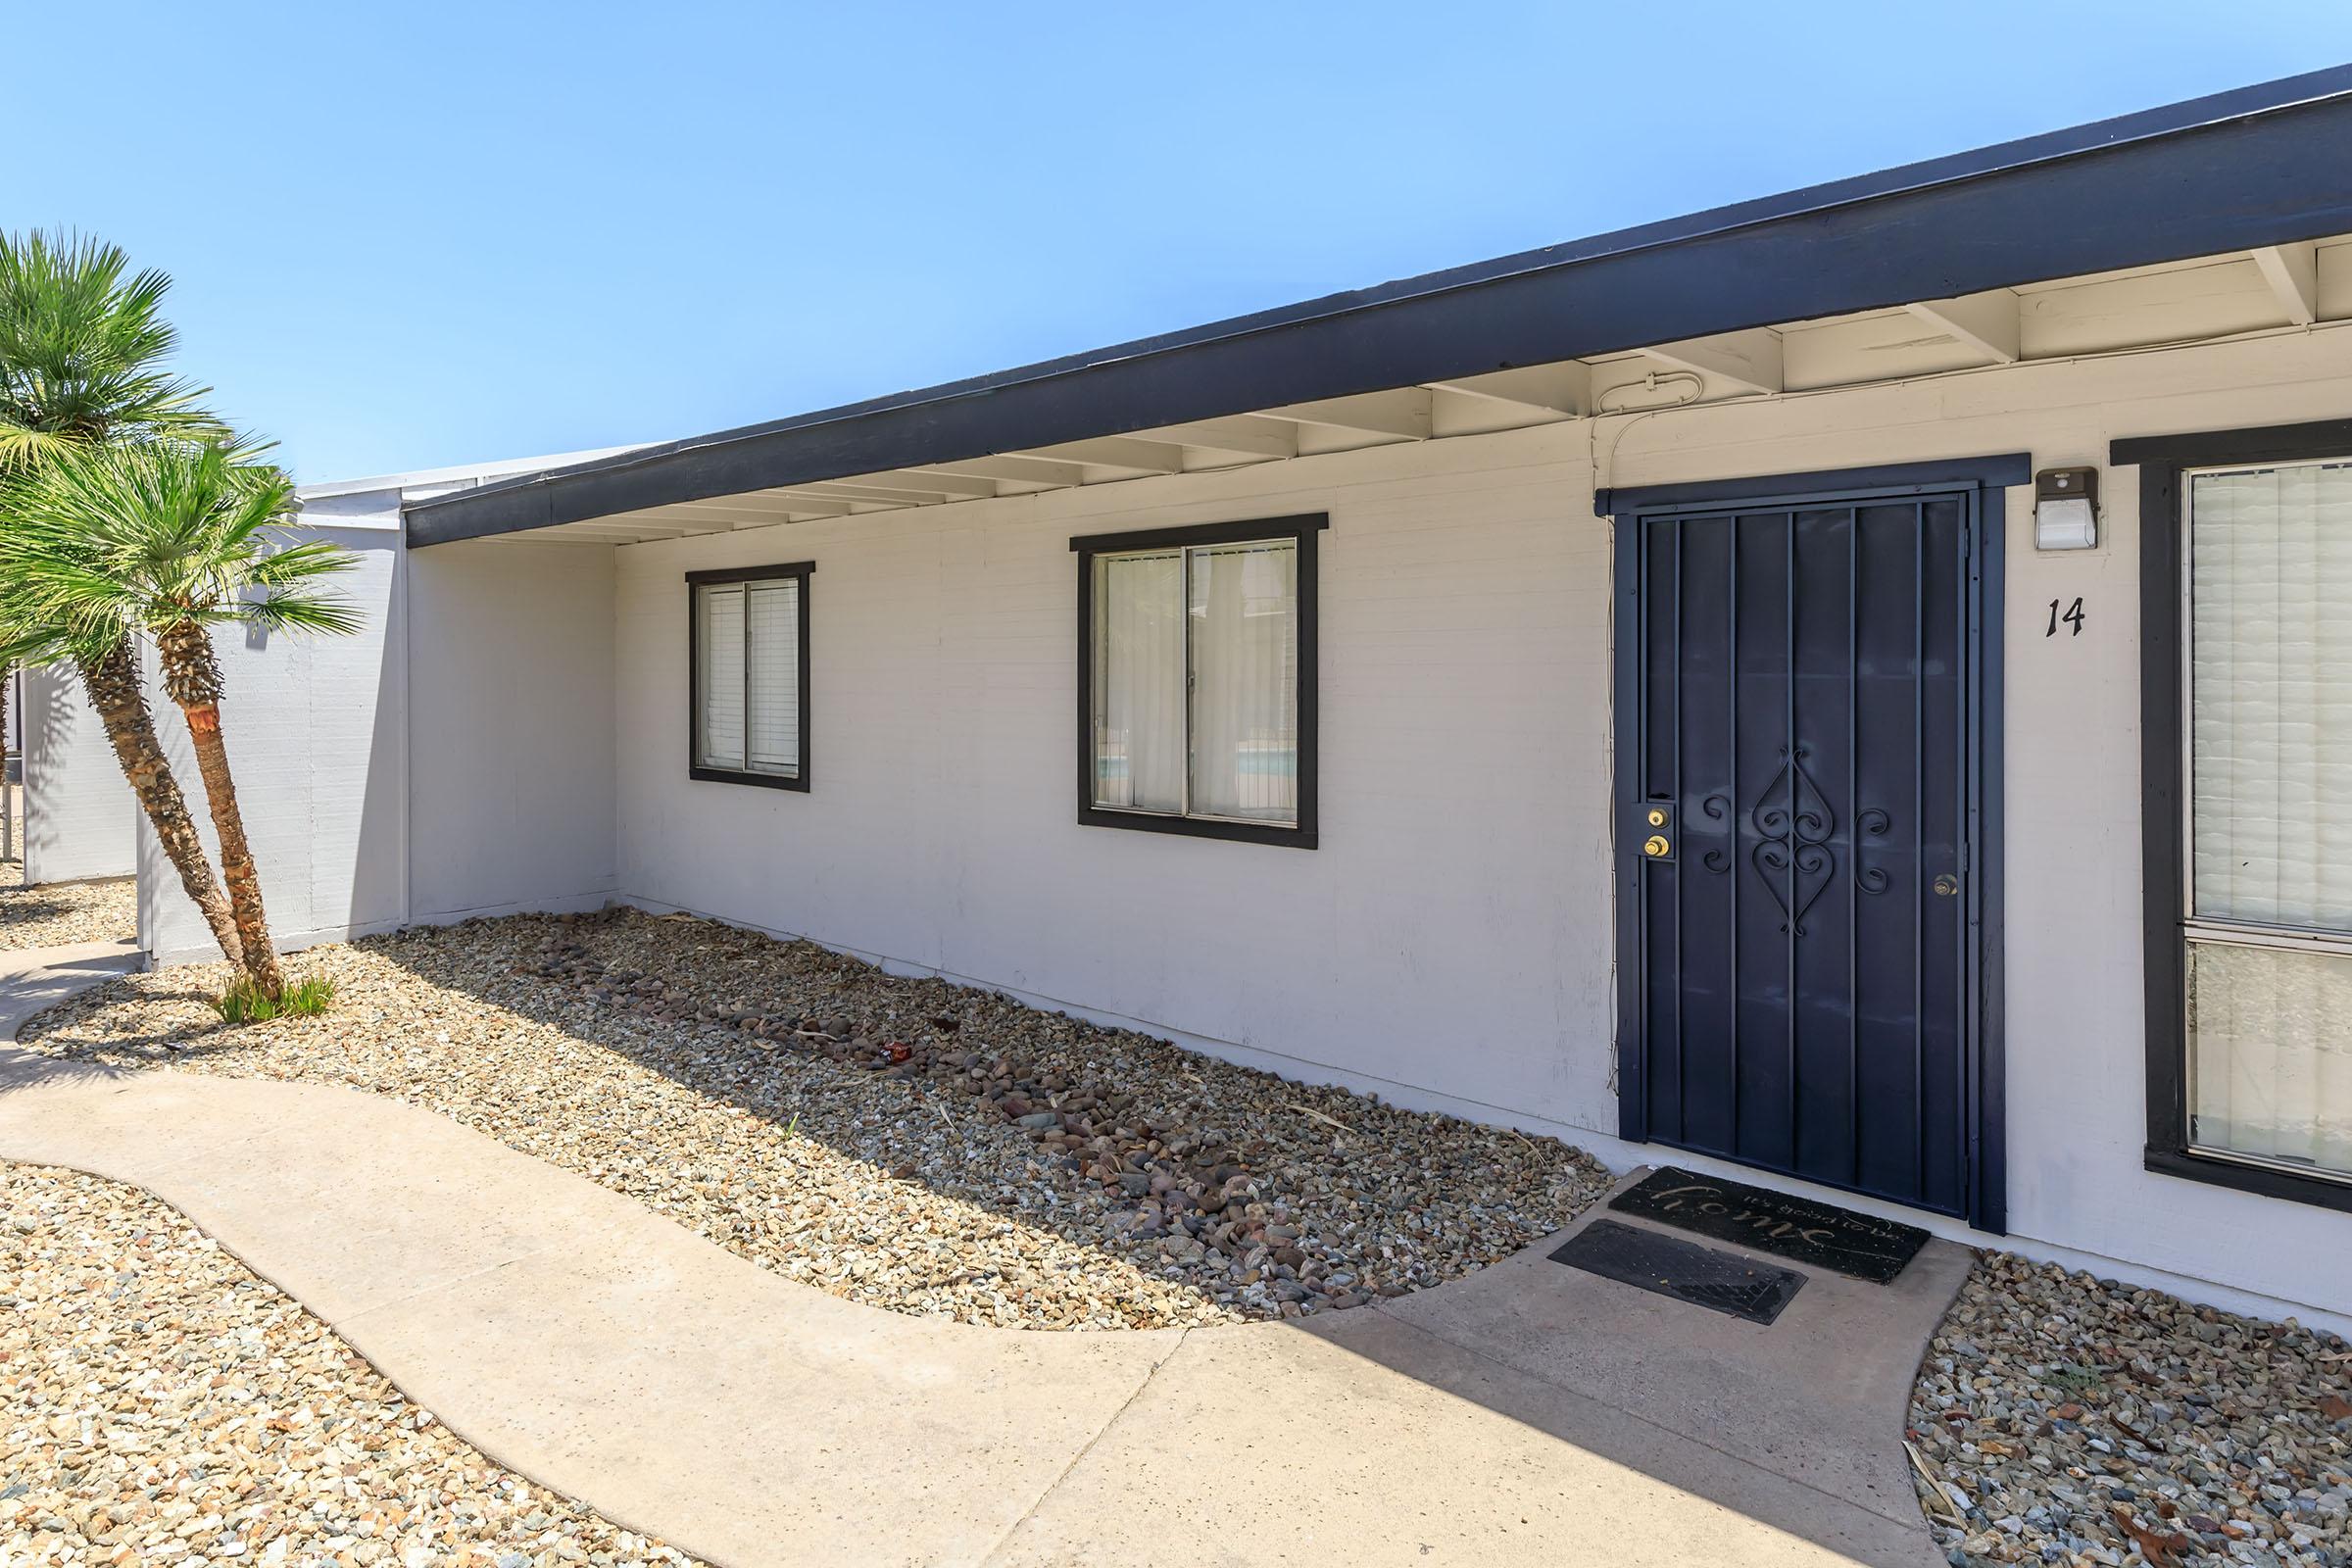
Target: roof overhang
x=2246, y=170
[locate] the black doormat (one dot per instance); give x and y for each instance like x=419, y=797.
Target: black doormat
x=1794, y=1228
x=1684, y=1271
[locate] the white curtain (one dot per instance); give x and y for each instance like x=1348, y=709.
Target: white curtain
x=1139, y=682
x=2271, y=794
x=775, y=677
x=720, y=636
x=1244, y=611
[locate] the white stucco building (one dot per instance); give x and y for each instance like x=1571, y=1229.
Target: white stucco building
x=322, y=732
x=1665, y=690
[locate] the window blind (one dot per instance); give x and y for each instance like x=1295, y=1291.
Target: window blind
x=719, y=637
x=2270, y=726
x=774, y=687
x=2272, y=1030
x=2271, y=706
x=748, y=641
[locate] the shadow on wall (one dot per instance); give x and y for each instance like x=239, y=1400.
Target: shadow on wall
x=45, y=723
x=80, y=817
x=378, y=838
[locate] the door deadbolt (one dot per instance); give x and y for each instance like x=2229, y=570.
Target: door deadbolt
x=1658, y=843
x=1946, y=885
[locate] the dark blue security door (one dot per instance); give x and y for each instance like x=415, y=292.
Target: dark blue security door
x=1799, y=789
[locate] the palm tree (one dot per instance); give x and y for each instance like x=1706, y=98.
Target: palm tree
x=81, y=339
x=80, y=346
x=167, y=540
x=110, y=676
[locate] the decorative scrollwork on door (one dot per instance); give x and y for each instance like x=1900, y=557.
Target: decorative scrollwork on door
x=1874, y=823
x=1795, y=823
x=1718, y=806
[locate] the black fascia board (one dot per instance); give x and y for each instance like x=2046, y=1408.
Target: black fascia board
x=2258, y=165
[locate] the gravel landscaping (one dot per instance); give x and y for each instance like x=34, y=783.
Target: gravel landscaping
x=931, y=1148
x=160, y=1405
x=2059, y=1419
x=65, y=914
x=946, y=1152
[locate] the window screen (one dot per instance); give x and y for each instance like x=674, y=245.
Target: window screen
x=749, y=684
x=2268, y=682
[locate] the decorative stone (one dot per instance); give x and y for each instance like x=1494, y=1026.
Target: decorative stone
x=228, y=1425
x=785, y=1157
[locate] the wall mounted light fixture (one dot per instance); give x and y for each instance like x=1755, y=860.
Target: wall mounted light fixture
x=2065, y=509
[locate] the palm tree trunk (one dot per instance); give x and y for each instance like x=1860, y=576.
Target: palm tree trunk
x=113, y=685
x=192, y=675
x=8, y=829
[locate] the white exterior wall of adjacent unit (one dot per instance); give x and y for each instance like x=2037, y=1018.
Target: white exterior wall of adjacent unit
x=1449, y=943
x=316, y=731
x=452, y=758
x=81, y=821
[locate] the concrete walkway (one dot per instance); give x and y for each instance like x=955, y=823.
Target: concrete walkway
x=33, y=979
x=1530, y=1413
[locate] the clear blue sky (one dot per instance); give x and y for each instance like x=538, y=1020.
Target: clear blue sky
x=425, y=233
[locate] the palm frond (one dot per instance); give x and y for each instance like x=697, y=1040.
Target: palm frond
x=324, y=614
x=113, y=539
x=53, y=610
x=22, y=445
x=82, y=347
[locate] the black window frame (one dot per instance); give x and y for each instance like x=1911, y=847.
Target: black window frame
x=1303, y=530
x=2162, y=461
x=696, y=582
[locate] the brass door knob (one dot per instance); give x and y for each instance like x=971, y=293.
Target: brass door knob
x=1947, y=884
x=1655, y=844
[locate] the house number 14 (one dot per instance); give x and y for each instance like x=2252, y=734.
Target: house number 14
x=2072, y=616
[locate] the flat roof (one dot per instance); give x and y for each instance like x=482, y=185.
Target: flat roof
x=2256, y=167
x=461, y=473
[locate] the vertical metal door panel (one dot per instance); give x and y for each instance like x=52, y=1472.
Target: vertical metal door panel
x=1890, y=894
x=1661, y=625
x=1822, y=721
x=1762, y=823
x=1804, y=709
x=1943, y=1103
x=1703, y=792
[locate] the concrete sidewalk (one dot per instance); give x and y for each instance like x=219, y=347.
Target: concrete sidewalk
x=33, y=979
x=1530, y=1413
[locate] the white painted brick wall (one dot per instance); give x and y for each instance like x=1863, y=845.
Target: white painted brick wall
x=80, y=818
x=1450, y=942
x=1450, y=939
x=315, y=728
x=513, y=782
